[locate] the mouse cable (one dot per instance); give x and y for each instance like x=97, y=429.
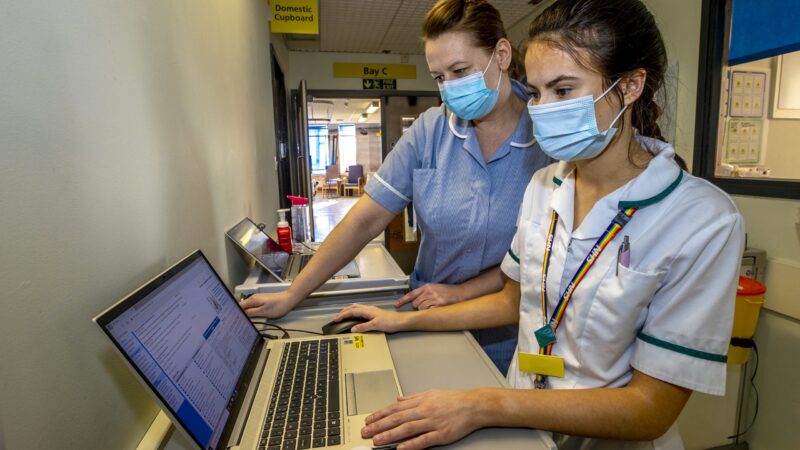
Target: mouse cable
x=264, y=333
x=284, y=330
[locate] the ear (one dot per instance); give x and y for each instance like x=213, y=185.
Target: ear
x=632, y=85
x=503, y=53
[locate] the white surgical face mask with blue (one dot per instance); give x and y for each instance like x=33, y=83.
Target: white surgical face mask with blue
x=567, y=130
x=468, y=97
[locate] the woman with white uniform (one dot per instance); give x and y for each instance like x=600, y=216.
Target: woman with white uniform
x=464, y=165
x=623, y=271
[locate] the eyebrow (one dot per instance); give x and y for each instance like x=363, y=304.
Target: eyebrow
x=450, y=67
x=555, y=81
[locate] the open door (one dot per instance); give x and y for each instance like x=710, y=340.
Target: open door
x=300, y=163
x=399, y=112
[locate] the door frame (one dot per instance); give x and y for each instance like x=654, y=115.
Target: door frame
x=354, y=93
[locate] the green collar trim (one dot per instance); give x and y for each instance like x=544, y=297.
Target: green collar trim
x=513, y=256
x=655, y=198
x=683, y=350
x=557, y=181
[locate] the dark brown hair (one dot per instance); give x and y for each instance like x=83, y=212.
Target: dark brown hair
x=476, y=17
x=618, y=37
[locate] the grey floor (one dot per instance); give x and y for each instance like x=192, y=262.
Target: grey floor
x=328, y=212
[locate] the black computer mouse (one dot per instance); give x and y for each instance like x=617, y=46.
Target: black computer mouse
x=342, y=327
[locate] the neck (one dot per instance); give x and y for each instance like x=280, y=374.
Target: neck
x=507, y=111
x=621, y=162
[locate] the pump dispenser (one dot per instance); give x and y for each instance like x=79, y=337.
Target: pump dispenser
x=284, y=231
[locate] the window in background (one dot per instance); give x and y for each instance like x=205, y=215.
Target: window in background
x=748, y=116
x=318, y=147
x=347, y=146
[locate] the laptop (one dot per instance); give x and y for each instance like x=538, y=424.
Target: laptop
x=283, y=266
x=227, y=386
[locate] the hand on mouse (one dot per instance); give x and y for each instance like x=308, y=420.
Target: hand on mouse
x=431, y=295
x=378, y=319
x=271, y=306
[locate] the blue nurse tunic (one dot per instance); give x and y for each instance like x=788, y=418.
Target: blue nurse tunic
x=466, y=207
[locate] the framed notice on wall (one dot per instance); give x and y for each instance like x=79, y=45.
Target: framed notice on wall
x=747, y=92
x=743, y=138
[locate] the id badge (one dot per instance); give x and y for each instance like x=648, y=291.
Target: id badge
x=551, y=366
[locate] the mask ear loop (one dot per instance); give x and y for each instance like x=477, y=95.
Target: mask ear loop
x=608, y=90
x=487, y=68
x=624, y=107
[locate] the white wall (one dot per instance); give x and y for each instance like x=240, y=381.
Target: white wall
x=131, y=132
x=317, y=69
x=770, y=225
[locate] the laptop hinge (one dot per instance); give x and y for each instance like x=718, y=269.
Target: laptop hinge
x=247, y=400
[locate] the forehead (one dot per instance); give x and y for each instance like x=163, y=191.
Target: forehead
x=449, y=47
x=545, y=61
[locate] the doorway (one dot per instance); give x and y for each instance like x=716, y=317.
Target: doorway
x=355, y=128
x=344, y=137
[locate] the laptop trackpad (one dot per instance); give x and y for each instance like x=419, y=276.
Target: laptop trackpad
x=368, y=392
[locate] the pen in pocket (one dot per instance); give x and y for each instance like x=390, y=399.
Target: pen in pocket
x=624, y=253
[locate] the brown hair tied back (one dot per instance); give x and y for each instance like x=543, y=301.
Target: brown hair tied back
x=618, y=36
x=478, y=18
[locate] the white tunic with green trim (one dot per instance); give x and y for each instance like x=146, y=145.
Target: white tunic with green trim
x=668, y=315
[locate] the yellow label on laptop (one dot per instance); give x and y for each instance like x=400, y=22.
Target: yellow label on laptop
x=551, y=366
x=358, y=341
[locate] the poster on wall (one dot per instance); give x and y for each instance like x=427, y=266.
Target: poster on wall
x=747, y=93
x=743, y=141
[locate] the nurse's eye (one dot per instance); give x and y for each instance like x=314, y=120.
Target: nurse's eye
x=563, y=92
x=534, y=95
x=438, y=78
x=460, y=72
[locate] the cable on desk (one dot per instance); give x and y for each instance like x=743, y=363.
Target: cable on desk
x=280, y=328
x=755, y=393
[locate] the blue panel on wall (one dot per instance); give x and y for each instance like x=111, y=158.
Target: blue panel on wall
x=762, y=29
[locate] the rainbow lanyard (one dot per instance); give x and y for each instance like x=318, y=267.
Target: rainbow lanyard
x=546, y=335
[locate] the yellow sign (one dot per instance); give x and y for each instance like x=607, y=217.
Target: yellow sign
x=295, y=16
x=375, y=71
x=358, y=341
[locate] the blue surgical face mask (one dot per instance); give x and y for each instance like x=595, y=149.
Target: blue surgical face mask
x=468, y=97
x=567, y=131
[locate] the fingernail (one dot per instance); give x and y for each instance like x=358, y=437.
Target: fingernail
x=379, y=439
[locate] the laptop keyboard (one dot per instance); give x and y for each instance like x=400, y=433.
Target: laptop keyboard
x=304, y=409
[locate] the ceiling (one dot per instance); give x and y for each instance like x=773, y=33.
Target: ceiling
x=383, y=26
x=344, y=110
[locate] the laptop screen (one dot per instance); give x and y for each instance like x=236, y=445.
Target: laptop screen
x=262, y=247
x=190, y=340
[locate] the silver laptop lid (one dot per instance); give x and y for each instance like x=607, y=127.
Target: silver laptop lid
x=267, y=253
x=191, y=343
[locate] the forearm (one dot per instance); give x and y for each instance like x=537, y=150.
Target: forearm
x=486, y=283
x=633, y=412
x=489, y=311
x=363, y=223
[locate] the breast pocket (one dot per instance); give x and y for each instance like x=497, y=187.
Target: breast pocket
x=619, y=309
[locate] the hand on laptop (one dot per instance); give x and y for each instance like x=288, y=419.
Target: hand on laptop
x=379, y=319
x=271, y=306
x=426, y=419
x=431, y=295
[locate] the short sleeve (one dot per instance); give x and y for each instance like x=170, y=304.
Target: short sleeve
x=510, y=264
x=687, y=330
x=392, y=185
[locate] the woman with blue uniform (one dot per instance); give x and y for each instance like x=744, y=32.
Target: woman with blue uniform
x=623, y=271
x=464, y=166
